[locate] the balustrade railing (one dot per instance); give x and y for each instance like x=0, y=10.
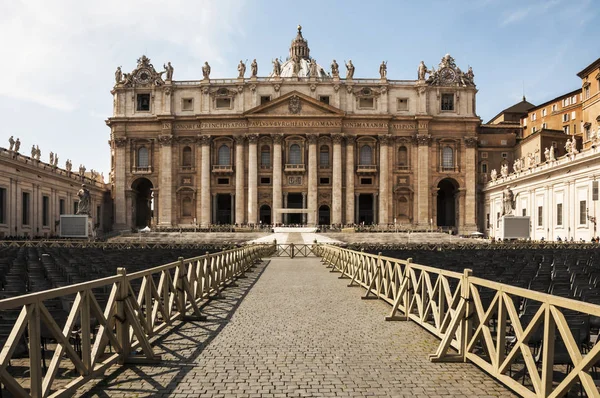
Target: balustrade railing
x=537, y=344
x=110, y=321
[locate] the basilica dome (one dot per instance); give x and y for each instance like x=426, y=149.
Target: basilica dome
x=300, y=60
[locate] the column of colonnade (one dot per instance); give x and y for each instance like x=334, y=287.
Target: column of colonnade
x=350, y=195
x=384, y=165
x=205, y=196
x=252, y=179
x=312, y=180
x=336, y=197
x=239, y=180
x=277, y=170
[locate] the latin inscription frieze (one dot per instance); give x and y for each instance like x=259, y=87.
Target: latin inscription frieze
x=295, y=123
x=366, y=125
x=404, y=126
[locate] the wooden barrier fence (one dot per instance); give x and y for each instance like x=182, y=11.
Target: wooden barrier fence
x=483, y=321
x=112, y=319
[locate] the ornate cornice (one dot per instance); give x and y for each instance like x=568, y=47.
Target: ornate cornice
x=471, y=142
x=337, y=138
x=312, y=138
x=385, y=139
x=423, y=140
x=165, y=140
x=277, y=138
x=239, y=139
x=120, y=142
x=204, y=139
x=252, y=138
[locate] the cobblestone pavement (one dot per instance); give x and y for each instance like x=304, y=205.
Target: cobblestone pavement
x=293, y=329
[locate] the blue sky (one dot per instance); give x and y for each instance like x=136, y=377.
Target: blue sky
x=59, y=56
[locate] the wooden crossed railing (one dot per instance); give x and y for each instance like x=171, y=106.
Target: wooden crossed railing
x=546, y=354
x=111, y=320
x=293, y=250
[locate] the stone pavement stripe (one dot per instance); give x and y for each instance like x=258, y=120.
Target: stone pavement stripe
x=292, y=329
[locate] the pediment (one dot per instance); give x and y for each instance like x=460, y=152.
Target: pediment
x=294, y=104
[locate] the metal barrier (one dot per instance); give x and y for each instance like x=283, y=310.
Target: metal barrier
x=482, y=321
x=116, y=316
x=292, y=250
x=87, y=244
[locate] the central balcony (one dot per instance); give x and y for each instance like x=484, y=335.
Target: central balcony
x=294, y=168
x=222, y=169
x=366, y=169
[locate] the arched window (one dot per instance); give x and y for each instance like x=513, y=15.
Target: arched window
x=447, y=158
x=186, y=158
x=366, y=155
x=295, y=154
x=186, y=207
x=324, y=156
x=224, y=156
x=265, y=156
x=402, y=156
x=142, y=160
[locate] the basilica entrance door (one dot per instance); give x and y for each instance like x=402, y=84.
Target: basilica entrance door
x=142, y=188
x=446, y=203
x=265, y=215
x=365, y=208
x=223, y=209
x=294, y=201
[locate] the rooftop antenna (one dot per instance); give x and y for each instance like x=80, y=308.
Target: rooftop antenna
x=524, y=90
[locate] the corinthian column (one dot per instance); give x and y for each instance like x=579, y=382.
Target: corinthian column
x=312, y=179
x=384, y=169
x=165, y=179
x=205, y=181
x=252, y=179
x=239, y=180
x=350, y=140
x=277, y=140
x=470, y=224
x=336, y=197
x=423, y=142
x=121, y=221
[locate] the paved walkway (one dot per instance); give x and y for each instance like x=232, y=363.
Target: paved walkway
x=293, y=329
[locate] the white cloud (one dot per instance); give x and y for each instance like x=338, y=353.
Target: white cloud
x=53, y=50
x=529, y=11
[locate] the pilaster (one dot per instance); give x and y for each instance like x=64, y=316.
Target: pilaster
x=277, y=166
x=336, y=197
x=204, y=182
x=423, y=143
x=312, y=180
x=384, y=168
x=350, y=203
x=165, y=178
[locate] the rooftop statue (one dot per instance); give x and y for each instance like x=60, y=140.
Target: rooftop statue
x=552, y=157
x=51, y=157
x=55, y=160
x=17, y=144
x=349, y=70
x=313, y=68
x=448, y=74
x=11, y=142
x=241, y=69
x=508, y=201
x=169, y=70
x=335, y=69
x=383, y=70
x=253, y=68
x=38, y=153
x=422, y=70
x=504, y=170
x=493, y=175
x=206, y=70
x=118, y=75
x=276, y=67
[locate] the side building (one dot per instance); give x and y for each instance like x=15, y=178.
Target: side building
x=554, y=175
x=298, y=146
x=33, y=195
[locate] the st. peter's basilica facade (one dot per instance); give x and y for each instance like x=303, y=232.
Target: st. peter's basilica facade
x=300, y=146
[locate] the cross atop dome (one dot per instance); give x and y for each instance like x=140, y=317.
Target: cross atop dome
x=299, y=47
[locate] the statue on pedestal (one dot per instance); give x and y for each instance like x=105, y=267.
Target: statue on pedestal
x=422, y=71
x=517, y=165
x=253, y=68
x=335, y=69
x=241, y=69
x=11, y=142
x=169, y=70
x=33, y=152
x=68, y=165
x=547, y=154
x=530, y=160
x=38, y=153
x=51, y=157
x=493, y=175
x=552, y=157
x=349, y=70
x=83, y=207
x=295, y=66
x=118, y=75
x=55, y=160
x=313, y=68
x=276, y=68
x=17, y=144
x=508, y=202
x=206, y=71
x=383, y=70
x=504, y=170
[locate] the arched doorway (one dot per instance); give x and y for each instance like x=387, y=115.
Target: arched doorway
x=324, y=215
x=142, y=202
x=446, y=203
x=265, y=215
